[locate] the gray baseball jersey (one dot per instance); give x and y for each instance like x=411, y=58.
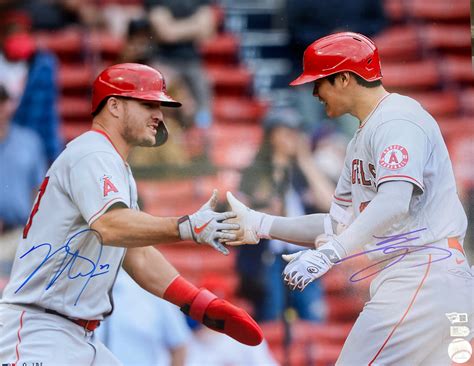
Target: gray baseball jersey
x=401, y=141
x=60, y=262
x=405, y=321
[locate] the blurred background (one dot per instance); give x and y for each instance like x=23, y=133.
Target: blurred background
x=241, y=128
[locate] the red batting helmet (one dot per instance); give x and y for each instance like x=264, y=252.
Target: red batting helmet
x=345, y=51
x=135, y=81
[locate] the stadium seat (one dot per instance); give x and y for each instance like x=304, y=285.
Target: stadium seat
x=438, y=104
x=446, y=36
x=398, y=43
x=230, y=81
x=394, y=10
x=64, y=43
x=457, y=69
x=411, y=75
x=442, y=10
x=74, y=108
x=234, y=155
x=221, y=50
x=75, y=77
x=466, y=97
x=70, y=130
x=106, y=44
x=232, y=110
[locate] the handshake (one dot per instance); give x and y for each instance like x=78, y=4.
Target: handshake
x=242, y=226
x=237, y=227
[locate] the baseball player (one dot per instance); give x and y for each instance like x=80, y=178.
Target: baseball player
x=85, y=224
x=407, y=216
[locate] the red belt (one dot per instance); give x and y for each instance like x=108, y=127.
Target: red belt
x=89, y=325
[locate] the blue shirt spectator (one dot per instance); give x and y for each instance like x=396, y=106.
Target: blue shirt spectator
x=38, y=108
x=22, y=167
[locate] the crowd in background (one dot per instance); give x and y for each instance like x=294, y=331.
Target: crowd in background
x=292, y=171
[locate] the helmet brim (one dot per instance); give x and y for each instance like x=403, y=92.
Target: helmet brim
x=305, y=78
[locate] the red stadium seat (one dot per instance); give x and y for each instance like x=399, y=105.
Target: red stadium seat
x=236, y=155
x=446, y=36
x=105, y=43
x=221, y=50
x=74, y=77
x=230, y=81
x=411, y=76
x=438, y=104
x=467, y=101
x=452, y=10
x=70, y=130
x=395, y=10
x=67, y=42
x=398, y=43
x=458, y=69
x=233, y=110
x=75, y=108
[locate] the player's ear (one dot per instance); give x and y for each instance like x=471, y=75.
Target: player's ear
x=344, y=77
x=113, y=106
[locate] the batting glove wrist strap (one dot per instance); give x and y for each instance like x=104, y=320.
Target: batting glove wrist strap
x=217, y=314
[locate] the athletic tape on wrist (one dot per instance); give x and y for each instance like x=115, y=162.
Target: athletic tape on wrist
x=265, y=226
x=328, y=225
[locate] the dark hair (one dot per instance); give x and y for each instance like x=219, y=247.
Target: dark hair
x=361, y=81
x=3, y=94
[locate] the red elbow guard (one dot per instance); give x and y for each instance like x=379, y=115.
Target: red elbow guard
x=217, y=314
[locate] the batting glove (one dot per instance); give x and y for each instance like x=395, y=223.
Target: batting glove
x=206, y=226
x=254, y=225
x=306, y=266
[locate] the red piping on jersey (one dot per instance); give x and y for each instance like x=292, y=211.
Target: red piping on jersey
x=98, y=212
x=373, y=110
x=406, y=312
x=342, y=199
x=19, y=338
x=108, y=138
x=402, y=176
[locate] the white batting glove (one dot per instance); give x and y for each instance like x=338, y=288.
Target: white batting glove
x=254, y=225
x=206, y=226
x=306, y=266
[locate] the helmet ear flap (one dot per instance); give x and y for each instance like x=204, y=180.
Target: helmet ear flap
x=161, y=134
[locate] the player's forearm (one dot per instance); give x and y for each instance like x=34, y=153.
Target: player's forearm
x=390, y=204
x=142, y=264
x=129, y=228
x=301, y=230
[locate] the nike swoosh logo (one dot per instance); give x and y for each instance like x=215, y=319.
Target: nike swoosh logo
x=198, y=230
x=459, y=261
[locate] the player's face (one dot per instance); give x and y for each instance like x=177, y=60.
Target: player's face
x=330, y=96
x=141, y=121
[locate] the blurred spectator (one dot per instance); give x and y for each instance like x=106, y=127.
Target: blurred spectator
x=211, y=348
x=144, y=329
x=30, y=76
x=276, y=182
x=180, y=25
x=22, y=168
x=58, y=14
x=308, y=20
x=139, y=47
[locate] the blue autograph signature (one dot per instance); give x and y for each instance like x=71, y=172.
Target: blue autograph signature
x=397, y=245
x=70, y=259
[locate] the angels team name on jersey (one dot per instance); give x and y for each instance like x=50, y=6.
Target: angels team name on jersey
x=359, y=176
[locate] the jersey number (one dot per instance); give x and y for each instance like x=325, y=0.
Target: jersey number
x=34, y=211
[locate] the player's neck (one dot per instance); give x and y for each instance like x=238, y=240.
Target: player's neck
x=115, y=138
x=366, y=101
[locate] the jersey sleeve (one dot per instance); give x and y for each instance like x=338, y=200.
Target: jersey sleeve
x=400, y=150
x=343, y=194
x=97, y=182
